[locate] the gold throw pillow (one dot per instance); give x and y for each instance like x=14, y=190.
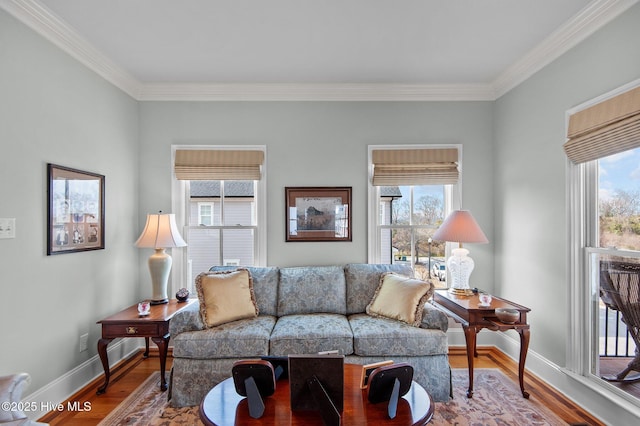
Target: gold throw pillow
x=400, y=298
x=226, y=296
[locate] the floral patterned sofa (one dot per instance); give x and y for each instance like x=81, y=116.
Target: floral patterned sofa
x=305, y=310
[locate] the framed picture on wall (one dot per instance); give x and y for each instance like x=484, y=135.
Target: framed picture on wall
x=75, y=213
x=318, y=213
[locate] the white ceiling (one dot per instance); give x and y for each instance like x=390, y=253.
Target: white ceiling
x=315, y=49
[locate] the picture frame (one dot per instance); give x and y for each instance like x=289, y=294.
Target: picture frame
x=327, y=369
x=367, y=369
x=75, y=210
x=318, y=214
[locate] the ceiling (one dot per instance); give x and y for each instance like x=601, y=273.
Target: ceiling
x=315, y=49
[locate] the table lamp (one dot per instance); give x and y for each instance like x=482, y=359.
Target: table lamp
x=460, y=227
x=160, y=233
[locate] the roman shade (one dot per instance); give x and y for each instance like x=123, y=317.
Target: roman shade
x=607, y=128
x=429, y=166
x=211, y=164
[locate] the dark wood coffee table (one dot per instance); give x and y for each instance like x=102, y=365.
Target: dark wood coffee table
x=222, y=406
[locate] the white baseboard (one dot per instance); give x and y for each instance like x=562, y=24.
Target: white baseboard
x=50, y=396
x=606, y=406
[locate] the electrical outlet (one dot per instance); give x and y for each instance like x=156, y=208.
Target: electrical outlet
x=83, y=342
x=7, y=227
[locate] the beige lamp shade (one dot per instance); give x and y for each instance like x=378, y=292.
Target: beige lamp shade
x=461, y=227
x=159, y=233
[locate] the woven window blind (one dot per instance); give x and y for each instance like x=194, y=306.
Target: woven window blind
x=437, y=166
x=218, y=164
x=607, y=128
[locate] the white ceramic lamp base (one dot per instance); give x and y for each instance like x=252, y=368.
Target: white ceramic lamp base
x=460, y=266
x=159, y=267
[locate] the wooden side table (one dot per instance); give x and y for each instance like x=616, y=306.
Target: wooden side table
x=466, y=310
x=128, y=323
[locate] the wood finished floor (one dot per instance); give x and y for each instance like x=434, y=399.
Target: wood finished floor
x=127, y=376
x=612, y=366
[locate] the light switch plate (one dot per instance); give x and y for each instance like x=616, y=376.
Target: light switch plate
x=7, y=227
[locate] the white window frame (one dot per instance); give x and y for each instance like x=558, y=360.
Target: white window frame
x=180, y=274
x=452, y=198
x=200, y=215
x=582, y=218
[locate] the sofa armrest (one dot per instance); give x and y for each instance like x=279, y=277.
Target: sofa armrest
x=11, y=388
x=433, y=317
x=187, y=319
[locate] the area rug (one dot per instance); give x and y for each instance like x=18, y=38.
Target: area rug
x=496, y=401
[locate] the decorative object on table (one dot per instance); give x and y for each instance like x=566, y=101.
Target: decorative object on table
x=460, y=227
x=389, y=383
x=256, y=380
x=318, y=213
x=367, y=369
x=75, y=213
x=144, y=308
x=280, y=365
x=508, y=315
x=327, y=370
x=182, y=295
x=160, y=233
x=145, y=405
x=485, y=300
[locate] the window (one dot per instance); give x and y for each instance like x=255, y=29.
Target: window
x=219, y=194
x=205, y=213
x=604, y=188
x=410, y=193
x=229, y=229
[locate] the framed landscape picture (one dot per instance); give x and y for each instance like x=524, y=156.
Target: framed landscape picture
x=75, y=215
x=318, y=213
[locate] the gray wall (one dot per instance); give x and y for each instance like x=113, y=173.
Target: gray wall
x=54, y=110
x=322, y=144
x=531, y=226
x=530, y=181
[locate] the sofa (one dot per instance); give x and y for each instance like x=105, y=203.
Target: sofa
x=13, y=408
x=306, y=310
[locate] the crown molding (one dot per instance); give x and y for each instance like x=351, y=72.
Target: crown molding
x=314, y=92
x=589, y=20
x=41, y=20
x=37, y=17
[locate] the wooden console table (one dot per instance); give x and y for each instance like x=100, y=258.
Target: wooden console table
x=466, y=310
x=128, y=323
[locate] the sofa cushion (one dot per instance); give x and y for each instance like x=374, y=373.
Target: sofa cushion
x=226, y=296
x=311, y=333
x=386, y=337
x=362, y=280
x=312, y=289
x=400, y=298
x=237, y=339
x=265, y=286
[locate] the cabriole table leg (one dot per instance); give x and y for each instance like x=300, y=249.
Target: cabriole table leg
x=102, y=351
